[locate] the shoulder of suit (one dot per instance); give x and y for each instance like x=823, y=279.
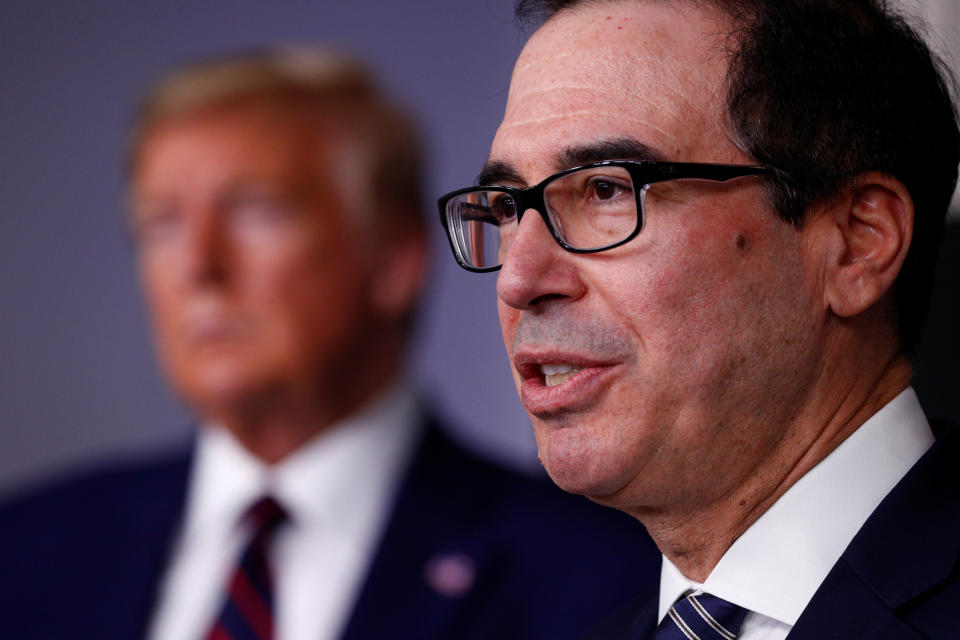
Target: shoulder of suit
x=97, y=486
x=516, y=499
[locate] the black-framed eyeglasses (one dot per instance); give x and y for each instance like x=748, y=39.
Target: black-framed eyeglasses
x=587, y=209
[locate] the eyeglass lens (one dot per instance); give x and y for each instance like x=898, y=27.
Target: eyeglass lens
x=592, y=208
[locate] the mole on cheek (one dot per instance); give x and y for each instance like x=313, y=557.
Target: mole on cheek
x=741, y=242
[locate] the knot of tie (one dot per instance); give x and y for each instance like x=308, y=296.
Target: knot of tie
x=701, y=617
x=265, y=514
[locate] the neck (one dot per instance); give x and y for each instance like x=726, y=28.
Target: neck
x=274, y=424
x=695, y=540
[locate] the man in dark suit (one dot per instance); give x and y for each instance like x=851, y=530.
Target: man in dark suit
x=275, y=204
x=716, y=225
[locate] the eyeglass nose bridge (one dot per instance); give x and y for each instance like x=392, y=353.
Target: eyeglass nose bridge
x=535, y=198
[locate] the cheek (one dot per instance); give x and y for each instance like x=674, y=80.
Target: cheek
x=162, y=296
x=693, y=294
x=509, y=319
x=657, y=297
x=299, y=294
x=298, y=260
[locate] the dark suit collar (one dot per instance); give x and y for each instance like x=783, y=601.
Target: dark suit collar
x=920, y=521
x=412, y=531
x=431, y=526
x=134, y=515
x=153, y=521
x=908, y=546
x=634, y=621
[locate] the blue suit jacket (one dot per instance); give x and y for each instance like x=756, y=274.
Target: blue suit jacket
x=84, y=559
x=898, y=579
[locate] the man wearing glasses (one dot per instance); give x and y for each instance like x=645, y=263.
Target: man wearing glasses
x=715, y=225
x=281, y=239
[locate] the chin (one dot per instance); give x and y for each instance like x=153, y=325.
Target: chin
x=220, y=389
x=578, y=463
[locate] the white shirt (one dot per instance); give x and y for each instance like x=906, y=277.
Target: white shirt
x=338, y=491
x=776, y=566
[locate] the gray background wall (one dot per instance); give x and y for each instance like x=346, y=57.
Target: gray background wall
x=77, y=378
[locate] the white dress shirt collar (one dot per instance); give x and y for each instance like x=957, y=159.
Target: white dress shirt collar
x=338, y=489
x=777, y=565
x=362, y=452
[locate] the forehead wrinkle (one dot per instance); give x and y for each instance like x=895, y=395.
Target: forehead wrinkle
x=591, y=97
x=587, y=114
x=526, y=139
x=622, y=89
x=619, y=63
x=579, y=81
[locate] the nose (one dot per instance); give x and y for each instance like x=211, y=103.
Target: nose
x=536, y=269
x=207, y=252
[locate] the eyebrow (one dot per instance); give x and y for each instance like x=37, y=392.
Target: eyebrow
x=613, y=149
x=499, y=171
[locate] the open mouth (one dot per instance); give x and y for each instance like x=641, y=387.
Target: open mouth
x=557, y=383
x=556, y=374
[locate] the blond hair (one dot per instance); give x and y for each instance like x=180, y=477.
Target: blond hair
x=330, y=84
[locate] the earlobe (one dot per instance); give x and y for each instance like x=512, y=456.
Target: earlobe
x=872, y=234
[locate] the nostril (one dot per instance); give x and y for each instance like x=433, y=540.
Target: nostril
x=545, y=299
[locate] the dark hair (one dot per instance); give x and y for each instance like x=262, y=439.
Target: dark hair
x=824, y=91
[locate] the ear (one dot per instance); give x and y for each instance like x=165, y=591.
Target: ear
x=869, y=239
x=400, y=274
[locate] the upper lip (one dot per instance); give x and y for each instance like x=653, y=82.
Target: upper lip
x=527, y=361
x=213, y=324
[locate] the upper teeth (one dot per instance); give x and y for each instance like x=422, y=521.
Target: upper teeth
x=554, y=369
x=554, y=374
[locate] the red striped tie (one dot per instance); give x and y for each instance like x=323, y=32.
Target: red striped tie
x=247, y=613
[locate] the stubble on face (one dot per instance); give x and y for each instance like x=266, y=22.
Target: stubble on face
x=688, y=315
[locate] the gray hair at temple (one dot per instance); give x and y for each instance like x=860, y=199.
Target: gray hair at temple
x=382, y=141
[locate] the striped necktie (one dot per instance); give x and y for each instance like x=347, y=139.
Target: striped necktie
x=248, y=610
x=701, y=617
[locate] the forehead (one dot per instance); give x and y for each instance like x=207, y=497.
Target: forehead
x=647, y=71
x=221, y=140
x=253, y=140
x=247, y=121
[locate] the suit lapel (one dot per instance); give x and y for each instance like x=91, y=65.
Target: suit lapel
x=634, y=621
x=437, y=556
x=139, y=540
x=644, y=622
x=99, y=546
x=844, y=608
x=907, y=549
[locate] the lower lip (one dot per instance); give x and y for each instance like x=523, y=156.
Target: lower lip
x=576, y=393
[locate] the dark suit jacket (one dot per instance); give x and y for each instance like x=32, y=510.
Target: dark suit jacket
x=84, y=559
x=898, y=579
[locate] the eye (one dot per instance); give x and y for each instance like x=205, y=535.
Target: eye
x=503, y=206
x=475, y=212
x=258, y=208
x=605, y=188
x=155, y=223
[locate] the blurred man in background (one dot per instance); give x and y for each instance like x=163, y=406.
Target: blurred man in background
x=275, y=203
